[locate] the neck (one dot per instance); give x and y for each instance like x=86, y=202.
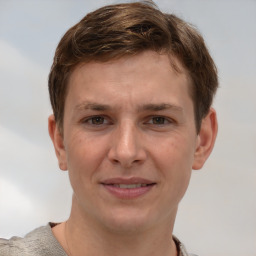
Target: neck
x=79, y=235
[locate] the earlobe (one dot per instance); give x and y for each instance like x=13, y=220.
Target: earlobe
x=206, y=139
x=57, y=140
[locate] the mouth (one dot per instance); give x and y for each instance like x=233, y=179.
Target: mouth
x=128, y=188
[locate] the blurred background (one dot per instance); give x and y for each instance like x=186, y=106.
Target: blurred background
x=217, y=216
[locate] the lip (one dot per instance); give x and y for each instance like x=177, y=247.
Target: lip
x=127, y=193
x=132, y=180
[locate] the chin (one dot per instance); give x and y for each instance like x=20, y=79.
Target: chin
x=123, y=221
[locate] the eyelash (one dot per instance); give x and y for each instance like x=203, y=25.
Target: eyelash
x=89, y=120
x=165, y=120
x=106, y=121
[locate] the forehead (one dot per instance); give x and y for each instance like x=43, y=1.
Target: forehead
x=147, y=75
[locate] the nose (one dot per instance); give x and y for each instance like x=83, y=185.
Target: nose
x=127, y=147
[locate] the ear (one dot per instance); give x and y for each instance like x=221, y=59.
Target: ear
x=58, y=143
x=206, y=139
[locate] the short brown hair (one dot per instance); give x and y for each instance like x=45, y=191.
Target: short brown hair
x=115, y=31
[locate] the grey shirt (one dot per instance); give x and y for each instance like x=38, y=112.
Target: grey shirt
x=42, y=242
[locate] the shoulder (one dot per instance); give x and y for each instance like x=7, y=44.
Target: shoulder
x=38, y=242
x=4, y=247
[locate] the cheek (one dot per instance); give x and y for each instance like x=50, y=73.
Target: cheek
x=84, y=155
x=174, y=159
x=176, y=152
x=83, y=151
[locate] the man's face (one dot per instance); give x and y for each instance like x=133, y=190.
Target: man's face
x=129, y=141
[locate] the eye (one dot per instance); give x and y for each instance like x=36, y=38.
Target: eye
x=159, y=120
x=96, y=120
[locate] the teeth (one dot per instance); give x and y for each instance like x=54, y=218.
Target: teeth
x=130, y=185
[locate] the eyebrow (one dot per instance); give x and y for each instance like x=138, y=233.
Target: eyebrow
x=159, y=107
x=92, y=106
x=147, y=107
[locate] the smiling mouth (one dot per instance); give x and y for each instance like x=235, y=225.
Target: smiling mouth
x=130, y=186
x=125, y=190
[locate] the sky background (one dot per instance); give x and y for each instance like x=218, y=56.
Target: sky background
x=217, y=215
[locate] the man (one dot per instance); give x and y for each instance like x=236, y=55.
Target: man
x=131, y=90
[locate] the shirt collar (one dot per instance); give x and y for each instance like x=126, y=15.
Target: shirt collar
x=180, y=247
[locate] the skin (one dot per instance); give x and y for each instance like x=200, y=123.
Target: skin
x=131, y=117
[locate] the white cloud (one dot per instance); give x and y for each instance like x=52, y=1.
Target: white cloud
x=24, y=102
x=13, y=200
